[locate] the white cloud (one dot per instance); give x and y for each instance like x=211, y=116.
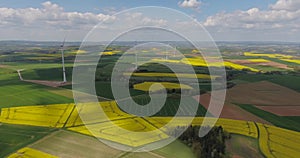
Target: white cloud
x=50, y=15
x=52, y=22
x=291, y=5
x=280, y=19
x=190, y=4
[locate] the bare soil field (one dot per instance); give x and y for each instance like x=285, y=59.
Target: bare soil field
x=67, y=144
x=231, y=111
x=4, y=66
x=243, y=147
x=264, y=94
x=282, y=110
x=270, y=63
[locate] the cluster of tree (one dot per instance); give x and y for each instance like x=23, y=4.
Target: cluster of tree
x=211, y=145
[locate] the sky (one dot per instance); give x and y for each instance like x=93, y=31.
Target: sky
x=230, y=20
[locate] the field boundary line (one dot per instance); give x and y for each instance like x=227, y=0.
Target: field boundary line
x=258, y=137
x=45, y=137
x=67, y=120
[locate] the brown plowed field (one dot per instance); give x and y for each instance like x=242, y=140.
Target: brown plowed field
x=263, y=93
x=231, y=111
x=270, y=63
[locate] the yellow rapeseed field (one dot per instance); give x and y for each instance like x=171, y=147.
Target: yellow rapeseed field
x=110, y=112
x=202, y=62
x=258, y=60
x=246, y=128
x=30, y=153
x=145, y=86
x=279, y=56
x=47, y=116
x=126, y=131
x=179, y=75
x=280, y=142
x=239, y=67
x=264, y=141
x=165, y=61
x=117, y=126
x=291, y=60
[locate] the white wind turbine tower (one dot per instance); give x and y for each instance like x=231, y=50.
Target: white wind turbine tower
x=174, y=51
x=166, y=51
x=63, y=61
x=136, y=57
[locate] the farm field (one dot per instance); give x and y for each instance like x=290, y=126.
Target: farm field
x=171, y=106
x=278, y=142
x=262, y=64
x=151, y=86
x=103, y=89
x=292, y=60
x=282, y=110
x=267, y=55
x=230, y=111
x=23, y=93
x=46, y=116
x=242, y=146
x=111, y=133
x=246, y=128
x=272, y=118
x=179, y=75
x=211, y=63
x=70, y=144
x=14, y=137
x=263, y=93
x=39, y=119
x=125, y=131
x=29, y=152
x=288, y=81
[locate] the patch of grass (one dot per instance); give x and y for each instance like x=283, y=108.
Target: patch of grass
x=28, y=94
x=265, y=68
x=14, y=92
x=50, y=74
x=14, y=137
x=279, y=121
x=103, y=89
x=176, y=149
x=293, y=118
x=171, y=105
x=242, y=146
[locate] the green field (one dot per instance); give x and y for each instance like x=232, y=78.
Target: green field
x=279, y=121
x=177, y=150
x=14, y=137
x=14, y=92
x=171, y=105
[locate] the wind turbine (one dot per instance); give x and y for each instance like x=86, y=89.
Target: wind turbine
x=63, y=61
x=136, y=57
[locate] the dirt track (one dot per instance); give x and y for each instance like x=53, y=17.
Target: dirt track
x=49, y=83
